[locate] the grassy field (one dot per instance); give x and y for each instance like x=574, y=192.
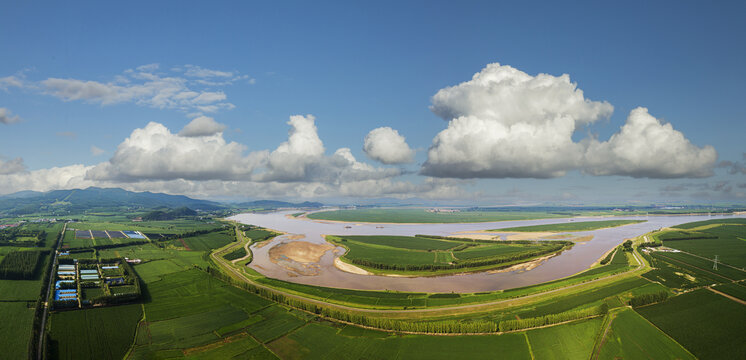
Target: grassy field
x=633, y=337
x=15, y=290
x=571, y=341
x=571, y=226
x=100, y=333
x=726, y=241
x=427, y=256
x=422, y=216
x=737, y=290
x=328, y=341
x=15, y=327
x=708, y=325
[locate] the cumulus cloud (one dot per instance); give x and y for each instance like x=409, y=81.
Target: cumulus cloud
x=153, y=152
x=385, y=145
x=504, y=123
x=301, y=159
x=66, y=177
x=6, y=117
x=11, y=166
x=145, y=86
x=202, y=126
x=645, y=147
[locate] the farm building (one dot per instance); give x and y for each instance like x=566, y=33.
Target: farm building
x=59, y=283
x=66, y=294
x=66, y=274
x=66, y=268
x=89, y=277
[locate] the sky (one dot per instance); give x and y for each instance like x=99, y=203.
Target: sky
x=470, y=102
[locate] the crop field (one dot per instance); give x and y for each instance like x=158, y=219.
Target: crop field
x=709, y=325
x=682, y=271
x=571, y=226
x=235, y=254
x=728, y=243
x=698, y=224
x=737, y=290
x=208, y=241
x=99, y=333
x=422, y=216
x=571, y=341
x=325, y=340
x=633, y=337
x=15, y=327
x=406, y=253
x=162, y=227
x=405, y=242
x=15, y=290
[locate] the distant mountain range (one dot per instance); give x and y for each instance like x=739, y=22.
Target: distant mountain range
x=273, y=204
x=100, y=199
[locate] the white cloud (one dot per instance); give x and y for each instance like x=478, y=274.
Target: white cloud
x=154, y=152
x=505, y=123
x=302, y=159
x=647, y=148
x=202, y=126
x=384, y=144
x=96, y=151
x=144, y=87
x=200, y=72
x=11, y=81
x=67, y=177
x=11, y=166
x=7, y=117
x=509, y=96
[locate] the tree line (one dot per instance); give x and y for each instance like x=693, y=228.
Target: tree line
x=519, y=324
x=650, y=298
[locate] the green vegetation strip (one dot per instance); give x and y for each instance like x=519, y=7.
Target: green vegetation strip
x=571, y=226
x=430, y=255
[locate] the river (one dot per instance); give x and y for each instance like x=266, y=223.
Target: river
x=569, y=262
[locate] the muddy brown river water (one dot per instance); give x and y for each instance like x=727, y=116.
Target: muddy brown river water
x=569, y=262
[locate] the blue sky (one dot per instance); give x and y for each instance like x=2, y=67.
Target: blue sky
x=358, y=67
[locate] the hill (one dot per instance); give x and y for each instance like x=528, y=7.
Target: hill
x=95, y=199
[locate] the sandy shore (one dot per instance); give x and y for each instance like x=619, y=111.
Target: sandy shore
x=341, y=265
x=524, y=266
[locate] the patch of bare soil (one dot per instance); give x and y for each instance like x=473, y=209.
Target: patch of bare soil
x=300, y=251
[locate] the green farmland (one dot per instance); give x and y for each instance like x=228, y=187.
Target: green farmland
x=189, y=310
x=571, y=226
x=632, y=337
x=421, y=254
x=710, y=326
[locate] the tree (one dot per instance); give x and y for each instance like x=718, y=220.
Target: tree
x=628, y=245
